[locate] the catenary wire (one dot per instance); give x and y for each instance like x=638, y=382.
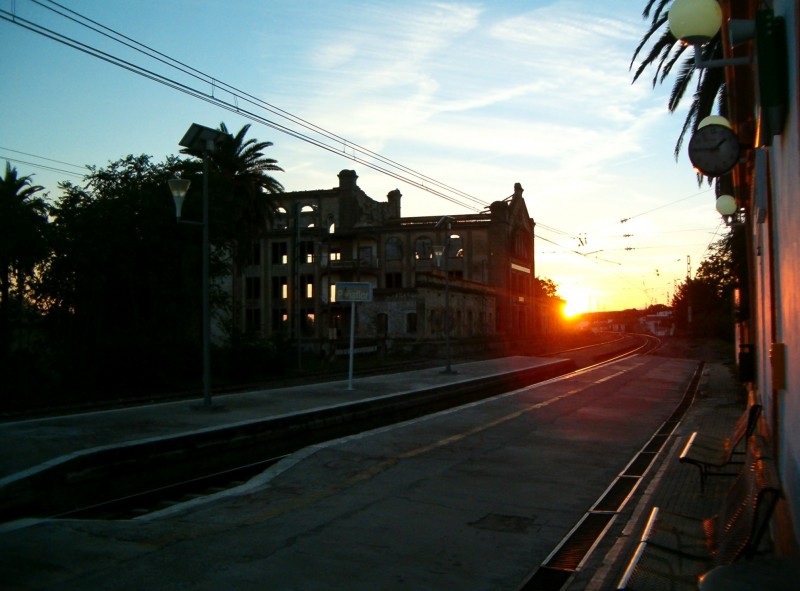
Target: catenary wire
x=418, y=181
x=422, y=181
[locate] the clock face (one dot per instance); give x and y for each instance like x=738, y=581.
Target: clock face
x=714, y=150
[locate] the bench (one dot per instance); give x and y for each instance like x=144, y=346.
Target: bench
x=710, y=454
x=674, y=549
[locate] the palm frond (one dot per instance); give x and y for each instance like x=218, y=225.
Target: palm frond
x=659, y=9
x=647, y=36
x=676, y=56
x=682, y=81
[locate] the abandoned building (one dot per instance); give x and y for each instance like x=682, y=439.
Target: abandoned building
x=323, y=237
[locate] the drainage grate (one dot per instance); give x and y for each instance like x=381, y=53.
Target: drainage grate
x=546, y=579
x=579, y=542
x=668, y=427
x=655, y=444
x=556, y=571
x=640, y=464
x=616, y=494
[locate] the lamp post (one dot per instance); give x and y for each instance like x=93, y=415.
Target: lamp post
x=440, y=251
x=696, y=22
x=201, y=139
x=728, y=208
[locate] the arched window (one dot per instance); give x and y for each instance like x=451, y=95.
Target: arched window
x=456, y=246
x=394, y=249
x=423, y=248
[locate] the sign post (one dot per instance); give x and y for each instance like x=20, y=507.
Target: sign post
x=353, y=292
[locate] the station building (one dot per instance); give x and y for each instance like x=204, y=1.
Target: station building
x=762, y=105
x=479, y=266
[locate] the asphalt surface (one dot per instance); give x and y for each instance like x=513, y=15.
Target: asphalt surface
x=474, y=498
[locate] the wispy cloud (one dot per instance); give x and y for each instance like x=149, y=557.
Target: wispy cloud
x=481, y=97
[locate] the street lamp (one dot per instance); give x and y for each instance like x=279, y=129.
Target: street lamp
x=729, y=210
x=696, y=22
x=201, y=139
x=440, y=251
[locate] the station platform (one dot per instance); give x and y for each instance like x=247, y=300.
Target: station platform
x=38, y=441
x=32, y=443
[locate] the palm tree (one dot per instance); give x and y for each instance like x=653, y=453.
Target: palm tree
x=665, y=52
x=243, y=194
x=23, y=244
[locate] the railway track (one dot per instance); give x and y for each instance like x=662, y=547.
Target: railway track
x=137, y=485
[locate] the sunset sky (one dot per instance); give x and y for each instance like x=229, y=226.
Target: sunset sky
x=475, y=96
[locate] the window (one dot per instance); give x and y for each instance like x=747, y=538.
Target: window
x=255, y=253
x=280, y=220
x=280, y=288
x=423, y=248
x=306, y=251
x=252, y=288
x=280, y=320
x=394, y=280
x=523, y=245
x=365, y=256
x=411, y=323
x=280, y=253
x=307, y=284
x=336, y=254
x=394, y=249
x=252, y=320
x=307, y=320
x=456, y=248
x=383, y=325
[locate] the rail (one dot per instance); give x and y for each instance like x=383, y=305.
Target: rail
x=139, y=478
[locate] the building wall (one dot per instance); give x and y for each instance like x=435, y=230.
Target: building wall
x=326, y=236
x=784, y=405
x=774, y=325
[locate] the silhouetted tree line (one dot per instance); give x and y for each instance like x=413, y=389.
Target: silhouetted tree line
x=706, y=304
x=100, y=289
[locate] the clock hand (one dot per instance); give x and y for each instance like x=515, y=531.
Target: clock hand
x=714, y=148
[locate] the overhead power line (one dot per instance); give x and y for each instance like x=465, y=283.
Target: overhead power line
x=240, y=102
x=42, y=166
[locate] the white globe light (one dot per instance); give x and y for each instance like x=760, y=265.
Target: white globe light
x=695, y=21
x=726, y=205
x=714, y=120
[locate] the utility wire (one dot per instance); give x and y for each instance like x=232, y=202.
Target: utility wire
x=624, y=220
x=359, y=154
x=42, y=157
x=42, y=166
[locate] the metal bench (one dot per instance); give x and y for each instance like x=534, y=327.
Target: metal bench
x=674, y=549
x=710, y=454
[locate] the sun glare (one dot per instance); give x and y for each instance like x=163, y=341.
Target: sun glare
x=576, y=300
x=571, y=309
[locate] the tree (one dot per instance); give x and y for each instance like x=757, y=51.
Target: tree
x=665, y=53
x=122, y=287
x=544, y=287
x=703, y=305
x=242, y=195
x=23, y=242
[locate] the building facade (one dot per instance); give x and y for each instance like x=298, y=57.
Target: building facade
x=323, y=237
x=762, y=105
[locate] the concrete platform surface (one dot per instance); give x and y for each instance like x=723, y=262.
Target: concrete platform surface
x=32, y=442
x=472, y=498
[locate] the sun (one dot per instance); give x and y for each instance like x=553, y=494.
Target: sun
x=572, y=309
x=576, y=300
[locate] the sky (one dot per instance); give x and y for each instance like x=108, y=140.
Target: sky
x=472, y=96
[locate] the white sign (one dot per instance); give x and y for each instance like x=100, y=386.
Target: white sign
x=354, y=292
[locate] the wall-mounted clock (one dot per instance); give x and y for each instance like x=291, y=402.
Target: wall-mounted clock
x=714, y=149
